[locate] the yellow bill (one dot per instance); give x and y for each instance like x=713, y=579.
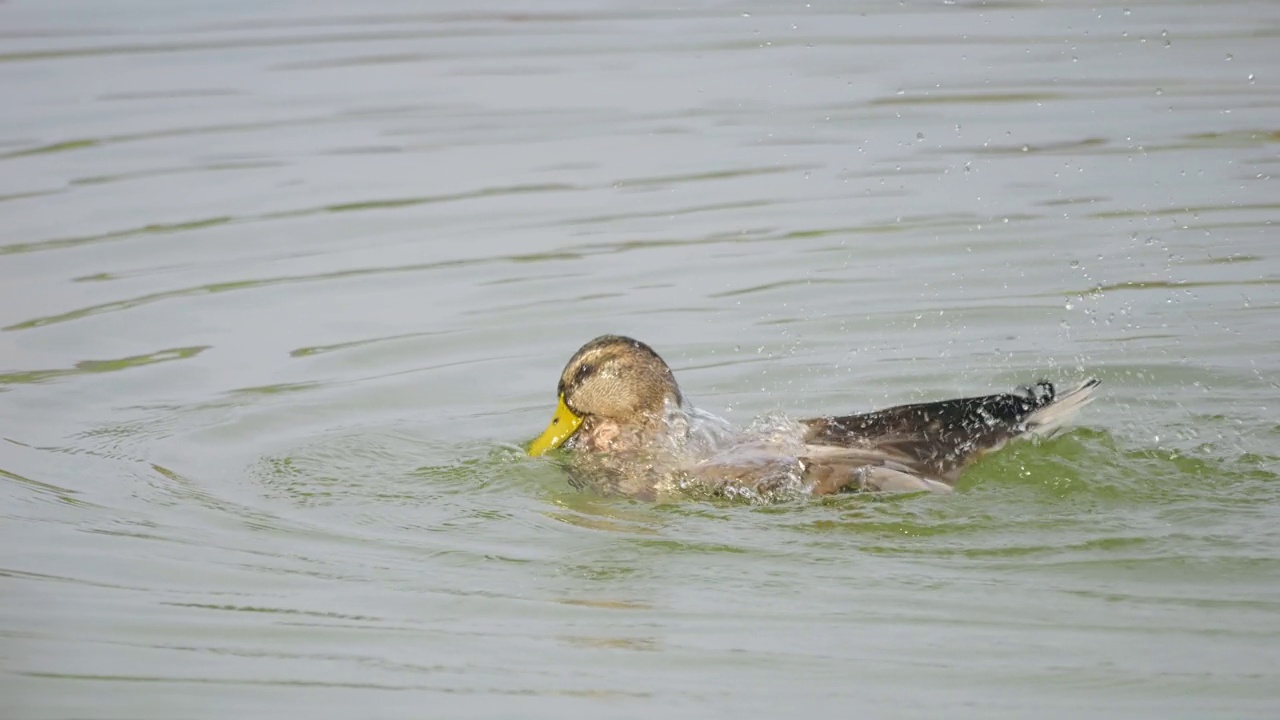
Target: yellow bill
x=563, y=424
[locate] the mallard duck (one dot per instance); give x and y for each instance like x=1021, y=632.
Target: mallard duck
x=629, y=430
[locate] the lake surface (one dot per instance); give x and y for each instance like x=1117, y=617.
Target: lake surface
x=285, y=285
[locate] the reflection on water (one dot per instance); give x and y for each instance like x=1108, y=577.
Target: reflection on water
x=283, y=287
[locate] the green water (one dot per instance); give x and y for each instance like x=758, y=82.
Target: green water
x=284, y=286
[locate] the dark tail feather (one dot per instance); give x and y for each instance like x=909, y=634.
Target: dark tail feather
x=940, y=438
x=1049, y=418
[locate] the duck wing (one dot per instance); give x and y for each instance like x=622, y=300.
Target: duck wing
x=915, y=447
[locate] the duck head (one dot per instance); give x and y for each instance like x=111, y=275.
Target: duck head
x=612, y=386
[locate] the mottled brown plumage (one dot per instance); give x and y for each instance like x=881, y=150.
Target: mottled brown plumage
x=621, y=389
x=624, y=420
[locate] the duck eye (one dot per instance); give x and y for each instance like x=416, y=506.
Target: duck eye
x=582, y=373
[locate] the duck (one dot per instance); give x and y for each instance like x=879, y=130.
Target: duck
x=627, y=429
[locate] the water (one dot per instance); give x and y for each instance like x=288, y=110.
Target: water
x=284, y=285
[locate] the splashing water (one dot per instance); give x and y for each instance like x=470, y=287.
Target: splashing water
x=702, y=455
